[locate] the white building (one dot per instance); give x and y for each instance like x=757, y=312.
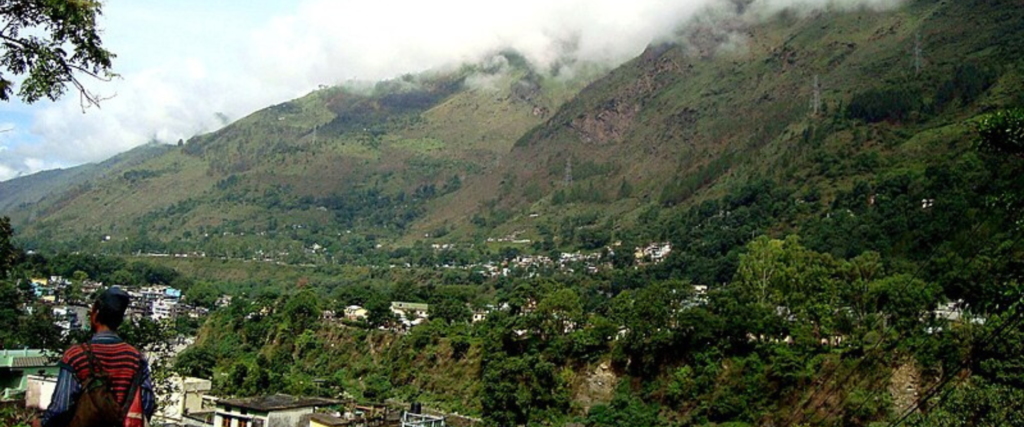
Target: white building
x=279, y=410
x=186, y=398
x=40, y=391
x=355, y=313
x=163, y=309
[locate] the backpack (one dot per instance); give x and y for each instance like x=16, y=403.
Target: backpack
x=97, y=406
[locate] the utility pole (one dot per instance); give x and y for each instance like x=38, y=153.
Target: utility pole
x=816, y=98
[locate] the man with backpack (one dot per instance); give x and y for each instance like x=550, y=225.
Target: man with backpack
x=104, y=382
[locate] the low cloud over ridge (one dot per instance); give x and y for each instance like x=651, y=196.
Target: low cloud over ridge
x=193, y=64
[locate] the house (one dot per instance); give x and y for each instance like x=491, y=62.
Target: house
x=172, y=293
x=654, y=252
x=69, y=318
x=17, y=365
x=480, y=315
x=355, y=313
x=408, y=310
x=324, y=420
x=190, y=311
x=39, y=287
x=40, y=391
x=279, y=410
x=163, y=309
x=410, y=419
x=185, y=398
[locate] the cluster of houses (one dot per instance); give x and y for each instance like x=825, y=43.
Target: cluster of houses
x=161, y=303
x=593, y=262
x=70, y=306
x=408, y=314
x=653, y=253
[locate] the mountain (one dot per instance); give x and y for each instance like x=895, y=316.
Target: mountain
x=359, y=160
x=841, y=244
x=32, y=189
x=688, y=129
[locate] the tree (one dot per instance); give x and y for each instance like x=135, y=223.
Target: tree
x=123, y=278
x=74, y=291
x=51, y=43
x=903, y=298
x=450, y=310
x=7, y=251
x=562, y=311
x=302, y=311
x=1003, y=132
x=378, y=310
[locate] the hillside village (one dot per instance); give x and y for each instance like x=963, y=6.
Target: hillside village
x=70, y=302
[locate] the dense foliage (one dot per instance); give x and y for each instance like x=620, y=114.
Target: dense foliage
x=51, y=44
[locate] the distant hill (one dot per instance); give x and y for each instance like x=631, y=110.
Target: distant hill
x=31, y=189
x=721, y=120
x=339, y=167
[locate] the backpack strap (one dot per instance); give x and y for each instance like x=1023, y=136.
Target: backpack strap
x=136, y=383
x=87, y=348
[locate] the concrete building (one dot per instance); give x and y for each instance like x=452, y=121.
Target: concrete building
x=70, y=318
x=324, y=420
x=17, y=365
x=355, y=313
x=279, y=410
x=410, y=313
x=186, y=399
x=163, y=309
x=40, y=391
x=410, y=419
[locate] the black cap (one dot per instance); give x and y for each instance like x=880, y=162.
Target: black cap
x=113, y=300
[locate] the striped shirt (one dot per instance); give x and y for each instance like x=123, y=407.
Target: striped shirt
x=119, y=360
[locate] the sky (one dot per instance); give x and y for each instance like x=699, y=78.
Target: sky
x=184, y=63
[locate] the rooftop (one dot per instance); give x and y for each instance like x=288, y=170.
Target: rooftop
x=24, y=359
x=276, y=402
x=409, y=305
x=328, y=420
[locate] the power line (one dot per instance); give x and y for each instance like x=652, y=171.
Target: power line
x=832, y=412
x=1014, y=320
x=870, y=353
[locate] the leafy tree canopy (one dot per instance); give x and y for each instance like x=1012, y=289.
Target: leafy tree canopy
x=51, y=43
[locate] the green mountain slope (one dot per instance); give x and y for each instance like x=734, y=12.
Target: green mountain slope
x=696, y=121
x=497, y=149
x=337, y=168
x=28, y=190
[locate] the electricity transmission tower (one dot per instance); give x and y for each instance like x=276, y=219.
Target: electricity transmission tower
x=917, y=54
x=816, y=98
x=568, y=171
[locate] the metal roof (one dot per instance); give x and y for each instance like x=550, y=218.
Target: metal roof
x=31, y=362
x=25, y=359
x=277, y=402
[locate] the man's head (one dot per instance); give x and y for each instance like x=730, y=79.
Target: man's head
x=108, y=309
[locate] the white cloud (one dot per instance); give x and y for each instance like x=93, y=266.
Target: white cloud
x=184, y=62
